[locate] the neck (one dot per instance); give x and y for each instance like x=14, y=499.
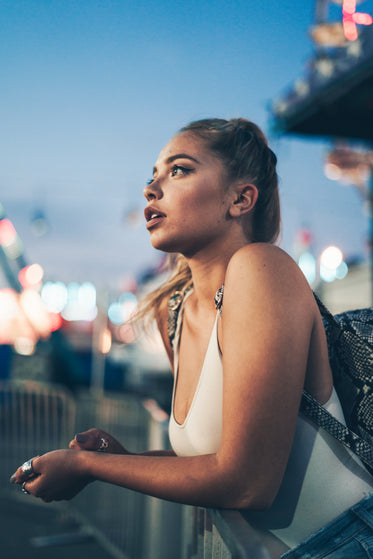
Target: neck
x=208, y=271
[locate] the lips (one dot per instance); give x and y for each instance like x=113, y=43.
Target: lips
x=153, y=216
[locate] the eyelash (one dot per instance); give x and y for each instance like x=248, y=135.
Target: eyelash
x=174, y=168
x=185, y=170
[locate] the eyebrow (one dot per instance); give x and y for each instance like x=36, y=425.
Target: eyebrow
x=178, y=156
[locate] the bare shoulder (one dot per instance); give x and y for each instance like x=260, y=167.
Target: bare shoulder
x=262, y=258
x=265, y=274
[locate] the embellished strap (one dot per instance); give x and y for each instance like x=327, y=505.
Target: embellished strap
x=317, y=413
x=174, y=305
x=219, y=298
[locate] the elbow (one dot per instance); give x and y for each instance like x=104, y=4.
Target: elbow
x=249, y=501
x=239, y=489
x=249, y=498
x=253, y=502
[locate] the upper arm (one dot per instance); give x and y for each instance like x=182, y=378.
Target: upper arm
x=268, y=315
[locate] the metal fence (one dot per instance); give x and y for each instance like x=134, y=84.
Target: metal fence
x=35, y=418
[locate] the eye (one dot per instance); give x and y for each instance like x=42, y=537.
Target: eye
x=179, y=170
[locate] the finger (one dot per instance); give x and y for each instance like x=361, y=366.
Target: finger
x=24, y=488
x=26, y=471
x=74, y=445
x=86, y=441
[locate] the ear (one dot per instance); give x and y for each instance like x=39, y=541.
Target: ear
x=245, y=199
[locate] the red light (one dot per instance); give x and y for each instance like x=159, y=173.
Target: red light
x=55, y=321
x=351, y=18
x=7, y=232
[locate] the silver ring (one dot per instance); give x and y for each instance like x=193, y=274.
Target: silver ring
x=24, y=490
x=104, y=445
x=27, y=468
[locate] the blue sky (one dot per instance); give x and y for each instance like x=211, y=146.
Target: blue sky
x=91, y=91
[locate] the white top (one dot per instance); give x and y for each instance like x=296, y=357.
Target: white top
x=322, y=478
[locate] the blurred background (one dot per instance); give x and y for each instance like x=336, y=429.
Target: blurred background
x=92, y=90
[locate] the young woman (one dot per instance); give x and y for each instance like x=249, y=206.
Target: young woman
x=237, y=438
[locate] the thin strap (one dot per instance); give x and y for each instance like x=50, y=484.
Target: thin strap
x=174, y=305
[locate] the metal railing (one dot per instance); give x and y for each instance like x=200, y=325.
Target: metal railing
x=35, y=418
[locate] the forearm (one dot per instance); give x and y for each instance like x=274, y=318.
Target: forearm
x=155, y=453
x=195, y=480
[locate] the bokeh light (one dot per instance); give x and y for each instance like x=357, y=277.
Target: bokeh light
x=31, y=276
x=54, y=296
x=121, y=310
x=331, y=258
x=307, y=264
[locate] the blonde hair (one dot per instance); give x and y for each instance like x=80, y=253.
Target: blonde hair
x=243, y=149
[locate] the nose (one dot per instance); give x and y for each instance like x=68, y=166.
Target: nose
x=152, y=191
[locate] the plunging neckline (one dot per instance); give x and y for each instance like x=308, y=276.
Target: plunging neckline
x=176, y=363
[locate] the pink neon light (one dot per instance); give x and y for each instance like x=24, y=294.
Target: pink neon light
x=362, y=19
x=350, y=30
x=351, y=18
x=7, y=232
x=349, y=6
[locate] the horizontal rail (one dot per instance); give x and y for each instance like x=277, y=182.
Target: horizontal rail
x=35, y=418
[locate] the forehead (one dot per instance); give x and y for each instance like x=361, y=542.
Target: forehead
x=188, y=144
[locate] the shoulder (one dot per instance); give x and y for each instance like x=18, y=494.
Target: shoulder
x=265, y=275
x=261, y=258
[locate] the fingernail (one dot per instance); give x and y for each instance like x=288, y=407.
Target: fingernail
x=80, y=438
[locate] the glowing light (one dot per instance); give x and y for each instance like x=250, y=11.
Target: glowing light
x=115, y=313
x=307, y=264
x=54, y=296
x=326, y=274
x=31, y=276
x=350, y=30
x=32, y=306
x=351, y=18
x=14, y=249
x=105, y=341
x=120, y=311
x=331, y=257
x=349, y=6
x=126, y=334
x=55, y=321
x=7, y=232
x=81, y=304
x=129, y=303
x=8, y=304
x=24, y=346
x=332, y=172
x=342, y=271
x=87, y=295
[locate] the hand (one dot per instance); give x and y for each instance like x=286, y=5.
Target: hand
x=57, y=476
x=98, y=440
